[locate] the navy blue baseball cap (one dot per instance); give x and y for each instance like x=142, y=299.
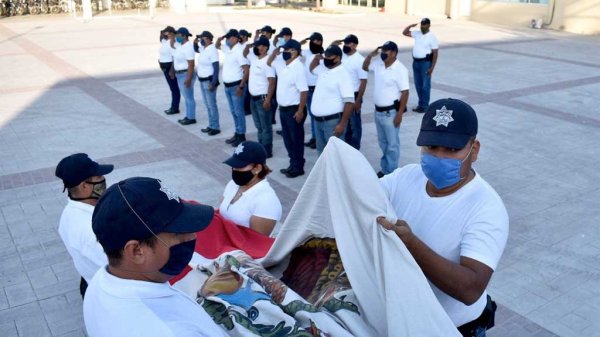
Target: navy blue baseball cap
x=139, y=208
x=78, y=167
x=262, y=41
x=268, y=29
x=285, y=31
x=244, y=32
x=333, y=50
x=449, y=123
x=292, y=44
x=389, y=45
x=183, y=31
x=247, y=153
x=206, y=34
x=425, y=21
x=232, y=33
x=351, y=38
x=315, y=36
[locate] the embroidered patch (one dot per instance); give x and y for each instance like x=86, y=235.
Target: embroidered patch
x=239, y=149
x=443, y=117
x=170, y=194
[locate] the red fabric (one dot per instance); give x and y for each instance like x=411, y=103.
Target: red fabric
x=223, y=236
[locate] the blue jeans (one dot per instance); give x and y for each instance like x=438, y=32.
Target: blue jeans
x=173, y=86
x=324, y=130
x=236, y=107
x=263, y=120
x=309, y=97
x=188, y=95
x=422, y=82
x=354, y=130
x=388, y=137
x=293, y=137
x=210, y=100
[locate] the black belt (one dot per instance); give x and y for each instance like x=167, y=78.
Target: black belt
x=327, y=118
x=429, y=57
x=384, y=108
x=258, y=97
x=204, y=79
x=232, y=84
x=486, y=319
x=180, y=71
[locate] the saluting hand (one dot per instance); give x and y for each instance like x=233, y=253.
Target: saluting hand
x=374, y=52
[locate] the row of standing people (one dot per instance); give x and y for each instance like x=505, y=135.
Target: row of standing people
x=273, y=71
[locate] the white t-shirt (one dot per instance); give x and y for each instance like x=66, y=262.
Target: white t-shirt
x=260, y=200
x=291, y=81
x=423, y=43
x=207, y=56
x=259, y=74
x=232, y=63
x=388, y=82
x=354, y=65
x=333, y=90
x=182, y=54
x=311, y=79
x=472, y=222
x=119, y=307
x=164, y=52
x=75, y=230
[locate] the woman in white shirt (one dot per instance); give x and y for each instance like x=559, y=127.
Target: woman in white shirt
x=248, y=199
x=165, y=60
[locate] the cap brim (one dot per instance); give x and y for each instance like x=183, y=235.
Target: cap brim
x=193, y=218
x=104, y=170
x=444, y=139
x=236, y=162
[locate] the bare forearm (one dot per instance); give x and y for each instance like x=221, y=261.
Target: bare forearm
x=361, y=90
x=303, y=97
x=434, y=58
x=367, y=62
x=348, y=108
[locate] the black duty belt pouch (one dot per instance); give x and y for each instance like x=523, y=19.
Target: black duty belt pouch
x=486, y=319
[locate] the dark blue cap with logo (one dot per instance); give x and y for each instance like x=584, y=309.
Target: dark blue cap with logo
x=78, y=167
x=315, y=36
x=292, y=44
x=389, y=45
x=139, y=208
x=183, y=31
x=449, y=123
x=262, y=41
x=247, y=153
x=268, y=29
x=351, y=38
x=333, y=50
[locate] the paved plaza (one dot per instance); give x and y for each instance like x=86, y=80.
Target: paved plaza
x=67, y=86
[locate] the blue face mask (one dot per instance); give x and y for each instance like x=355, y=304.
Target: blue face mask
x=442, y=172
x=179, y=257
x=227, y=43
x=280, y=42
x=179, y=39
x=286, y=55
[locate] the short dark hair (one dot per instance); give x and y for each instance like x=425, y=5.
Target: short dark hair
x=115, y=256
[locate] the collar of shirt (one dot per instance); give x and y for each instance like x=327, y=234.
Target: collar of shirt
x=132, y=289
x=296, y=60
x=80, y=205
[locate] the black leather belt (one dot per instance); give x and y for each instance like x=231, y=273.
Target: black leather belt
x=258, y=97
x=181, y=71
x=232, y=84
x=327, y=118
x=204, y=79
x=384, y=108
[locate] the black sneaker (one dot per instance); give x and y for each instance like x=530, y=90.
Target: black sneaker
x=206, y=129
x=232, y=139
x=312, y=143
x=418, y=109
x=171, y=112
x=380, y=174
x=285, y=170
x=187, y=121
x=294, y=174
x=240, y=139
x=213, y=132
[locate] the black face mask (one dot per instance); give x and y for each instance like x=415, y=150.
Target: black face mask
x=286, y=55
x=97, y=190
x=347, y=49
x=315, y=48
x=256, y=51
x=329, y=63
x=384, y=56
x=241, y=178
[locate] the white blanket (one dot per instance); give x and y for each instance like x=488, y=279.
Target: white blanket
x=341, y=199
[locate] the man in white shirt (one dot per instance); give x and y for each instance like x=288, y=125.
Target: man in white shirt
x=315, y=47
x=451, y=220
x=425, y=55
x=244, y=41
x=183, y=63
x=353, y=61
x=208, y=77
x=149, y=236
x=261, y=88
x=292, y=91
x=390, y=96
x=235, y=77
x=84, y=181
x=333, y=100
x=165, y=60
